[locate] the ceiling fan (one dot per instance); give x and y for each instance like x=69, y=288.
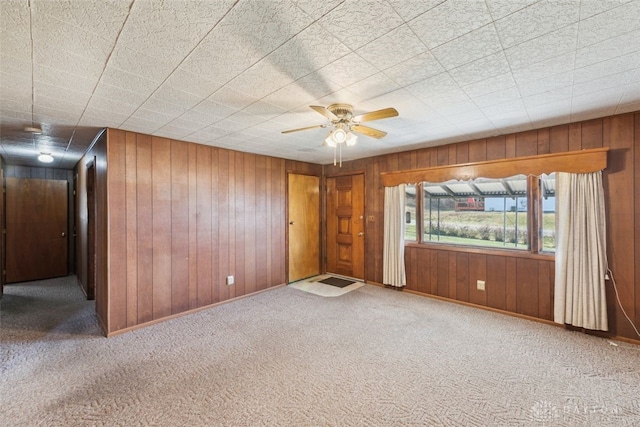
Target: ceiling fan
x=343, y=123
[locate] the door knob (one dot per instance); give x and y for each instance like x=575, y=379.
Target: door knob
x=361, y=234
x=290, y=222
x=63, y=234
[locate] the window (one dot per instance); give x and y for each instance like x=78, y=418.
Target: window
x=548, y=223
x=479, y=212
x=410, y=229
x=484, y=212
x=452, y=204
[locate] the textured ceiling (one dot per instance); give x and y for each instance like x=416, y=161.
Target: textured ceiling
x=234, y=74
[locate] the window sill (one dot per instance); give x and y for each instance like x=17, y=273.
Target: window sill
x=512, y=253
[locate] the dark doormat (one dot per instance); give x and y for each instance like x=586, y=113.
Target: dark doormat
x=336, y=281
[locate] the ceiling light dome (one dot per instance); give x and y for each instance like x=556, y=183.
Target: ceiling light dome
x=45, y=157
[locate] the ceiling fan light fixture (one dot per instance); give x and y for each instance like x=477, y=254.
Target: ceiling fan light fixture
x=45, y=158
x=351, y=139
x=339, y=136
x=329, y=142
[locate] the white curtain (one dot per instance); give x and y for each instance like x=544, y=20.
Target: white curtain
x=393, y=272
x=581, y=260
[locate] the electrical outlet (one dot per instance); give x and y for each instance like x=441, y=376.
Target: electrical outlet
x=480, y=285
x=230, y=280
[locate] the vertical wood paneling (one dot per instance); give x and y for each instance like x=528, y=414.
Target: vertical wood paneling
x=559, y=139
x=452, y=154
x=575, y=136
x=411, y=256
x=161, y=205
x=261, y=222
x=279, y=223
x=527, y=286
x=193, y=227
x=131, y=165
x=544, y=290
x=462, y=152
x=496, y=282
x=477, y=271
x=423, y=158
x=511, y=282
x=433, y=273
x=443, y=273
x=179, y=226
x=443, y=155
x=424, y=271
x=103, y=290
x=203, y=226
x=224, y=268
x=216, y=284
x=527, y=143
x=250, y=233
x=496, y=148
x=462, y=277
x=452, y=276
x=232, y=220
x=240, y=223
x=478, y=150
x=182, y=217
x=269, y=216
x=543, y=141
x=116, y=186
x=591, y=134
x=619, y=185
x=510, y=146
x=144, y=197
x=406, y=160
x=374, y=217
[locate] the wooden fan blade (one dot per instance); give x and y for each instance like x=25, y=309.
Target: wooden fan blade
x=376, y=115
x=307, y=128
x=366, y=130
x=322, y=110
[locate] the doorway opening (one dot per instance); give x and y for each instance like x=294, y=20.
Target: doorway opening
x=91, y=231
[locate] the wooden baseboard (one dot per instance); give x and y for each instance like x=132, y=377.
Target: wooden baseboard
x=184, y=313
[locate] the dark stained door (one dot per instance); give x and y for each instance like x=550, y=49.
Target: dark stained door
x=36, y=226
x=345, y=225
x=304, y=226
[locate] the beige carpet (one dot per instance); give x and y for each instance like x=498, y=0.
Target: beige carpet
x=313, y=286
x=372, y=357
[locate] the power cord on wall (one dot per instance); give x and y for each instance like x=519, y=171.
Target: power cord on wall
x=615, y=288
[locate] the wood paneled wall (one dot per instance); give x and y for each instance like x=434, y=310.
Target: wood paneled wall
x=519, y=283
x=181, y=218
x=97, y=155
x=28, y=172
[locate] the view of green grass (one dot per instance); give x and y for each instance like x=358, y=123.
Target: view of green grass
x=471, y=221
